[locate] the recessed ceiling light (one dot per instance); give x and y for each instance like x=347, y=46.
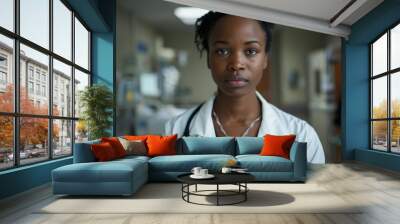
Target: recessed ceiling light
x=188, y=15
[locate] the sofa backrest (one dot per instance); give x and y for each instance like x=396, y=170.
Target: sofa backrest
x=206, y=145
x=192, y=146
x=83, y=152
x=249, y=145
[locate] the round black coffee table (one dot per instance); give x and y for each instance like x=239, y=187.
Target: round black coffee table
x=238, y=179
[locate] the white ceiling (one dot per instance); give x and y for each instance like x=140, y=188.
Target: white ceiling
x=319, y=9
x=314, y=15
x=157, y=13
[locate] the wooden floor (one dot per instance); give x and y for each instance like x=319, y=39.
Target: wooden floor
x=378, y=188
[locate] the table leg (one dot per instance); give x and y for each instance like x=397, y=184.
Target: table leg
x=196, y=188
x=245, y=191
x=182, y=188
x=188, y=190
x=217, y=194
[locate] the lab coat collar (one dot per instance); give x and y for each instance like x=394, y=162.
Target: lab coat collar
x=202, y=124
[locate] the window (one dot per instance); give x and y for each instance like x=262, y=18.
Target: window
x=54, y=125
x=34, y=26
x=7, y=85
x=43, y=90
x=30, y=72
x=38, y=89
x=62, y=29
x=3, y=72
x=62, y=75
x=3, y=61
x=7, y=14
x=30, y=87
x=385, y=94
x=3, y=78
x=81, y=45
x=37, y=75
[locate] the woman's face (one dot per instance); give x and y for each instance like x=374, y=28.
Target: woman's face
x=237, y=55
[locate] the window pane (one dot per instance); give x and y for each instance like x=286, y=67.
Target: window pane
x=379, y=55
x=6, y=74
x=62, y=137
x=395, y=47
x=379, y=97
x=379, y=135
x=34, y=72
x=81, y=45
x=62, y=29
x=81, y=131
x=7, y=14
x=81, y=81
x=395, y=94
x=6, y=142
x=395, y=136
x=35, y=21
x=62, y=89
x=33, y=140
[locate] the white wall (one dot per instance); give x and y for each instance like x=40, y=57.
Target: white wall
x=294, y=47
x=195, y=75
x=131, y=31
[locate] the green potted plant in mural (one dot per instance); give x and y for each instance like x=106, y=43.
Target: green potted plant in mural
x=96, y=102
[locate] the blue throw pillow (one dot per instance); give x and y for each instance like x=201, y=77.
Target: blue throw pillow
x=249, y=145
x=207, y=145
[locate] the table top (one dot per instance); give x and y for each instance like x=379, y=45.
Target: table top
x=220, y=178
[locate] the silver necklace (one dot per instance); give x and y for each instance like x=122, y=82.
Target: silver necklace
x=221, y=127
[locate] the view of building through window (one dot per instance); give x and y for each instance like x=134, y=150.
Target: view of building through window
x=385, y=79
x=30, y=113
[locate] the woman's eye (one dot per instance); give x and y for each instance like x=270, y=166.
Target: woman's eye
x=251, y=52
x=222, y=51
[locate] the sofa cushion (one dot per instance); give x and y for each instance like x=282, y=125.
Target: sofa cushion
x=207, y=145
x=249, y=145
x=131, y=158
x=185, y=163
x=111, y=171
x=257, y=163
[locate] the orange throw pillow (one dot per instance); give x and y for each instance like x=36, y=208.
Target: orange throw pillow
x=277, y=145
x=161, y=145
x=116, y=145
x=103, y=151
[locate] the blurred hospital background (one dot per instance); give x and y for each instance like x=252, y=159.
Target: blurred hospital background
x=160, y=73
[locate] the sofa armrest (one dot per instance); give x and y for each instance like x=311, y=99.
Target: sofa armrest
x=83, y=152
x=298, y=155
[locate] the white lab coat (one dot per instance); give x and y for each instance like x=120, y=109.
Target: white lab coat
x=274, y=122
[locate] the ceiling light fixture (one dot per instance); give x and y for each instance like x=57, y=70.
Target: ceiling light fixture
x=188, y=15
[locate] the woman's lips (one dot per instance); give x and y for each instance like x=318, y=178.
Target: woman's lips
x=236, y=82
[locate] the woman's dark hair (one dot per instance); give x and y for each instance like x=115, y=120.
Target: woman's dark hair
x=205, y=24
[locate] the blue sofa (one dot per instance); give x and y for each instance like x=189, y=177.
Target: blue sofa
x=125, y=176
